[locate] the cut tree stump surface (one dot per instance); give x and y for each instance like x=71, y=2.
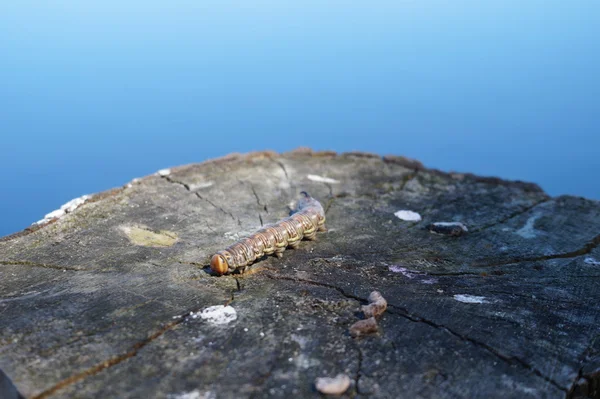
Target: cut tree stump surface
x=105, y=300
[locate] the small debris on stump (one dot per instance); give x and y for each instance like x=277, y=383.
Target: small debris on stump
x=409, y=216
x=377, y=305
x=363, y=327
x=453, y=229
x=333, y=386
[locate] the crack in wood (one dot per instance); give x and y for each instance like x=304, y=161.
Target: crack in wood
x=282, y=166
x=171, y=180
x=107, y=363
x=358, y=369
x=187, y=187
x=113, y=361
x=256, y=197
x=586, y=249
x=218, y=207
x=511, y=216
x=329, y=203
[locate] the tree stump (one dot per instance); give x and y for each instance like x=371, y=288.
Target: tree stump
x=494, y=292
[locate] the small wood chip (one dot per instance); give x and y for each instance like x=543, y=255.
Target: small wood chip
x=363, y=327
x=333, y=386
x=377, y=305
x=453, y=229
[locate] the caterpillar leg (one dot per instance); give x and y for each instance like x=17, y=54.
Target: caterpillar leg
x=311, y=237
x=323, y=228
x=294, y=245
x=278, y=253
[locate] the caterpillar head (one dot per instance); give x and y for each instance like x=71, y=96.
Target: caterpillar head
x=219, y=264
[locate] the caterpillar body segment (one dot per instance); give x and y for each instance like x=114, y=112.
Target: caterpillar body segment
x=273, y=239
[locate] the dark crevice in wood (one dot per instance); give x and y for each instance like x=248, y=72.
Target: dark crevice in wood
x=287, y=177
x=171, y=180
x=330, y=190
x=282, y=166
x=258, y=202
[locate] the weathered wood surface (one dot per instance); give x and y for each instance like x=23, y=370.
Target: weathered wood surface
x=97, y=303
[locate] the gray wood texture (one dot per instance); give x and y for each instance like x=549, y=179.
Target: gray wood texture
x=102, y=302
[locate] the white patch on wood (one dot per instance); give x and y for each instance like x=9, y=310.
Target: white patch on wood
x=322, y=179
x=407, y=215
x=217, y=315
x=464, y=298
x=592, y=261
x=164, y=172
x=333, y=386
x=528, y=231
x=63, y=210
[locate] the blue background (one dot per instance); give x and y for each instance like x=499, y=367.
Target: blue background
x=93, y=94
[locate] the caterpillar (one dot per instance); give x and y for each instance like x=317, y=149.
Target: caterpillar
x=308, y=218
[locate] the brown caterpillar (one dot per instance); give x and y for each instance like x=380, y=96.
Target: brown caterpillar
x=308, y=218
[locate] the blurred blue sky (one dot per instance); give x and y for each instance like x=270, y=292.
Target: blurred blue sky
x=93, y=94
